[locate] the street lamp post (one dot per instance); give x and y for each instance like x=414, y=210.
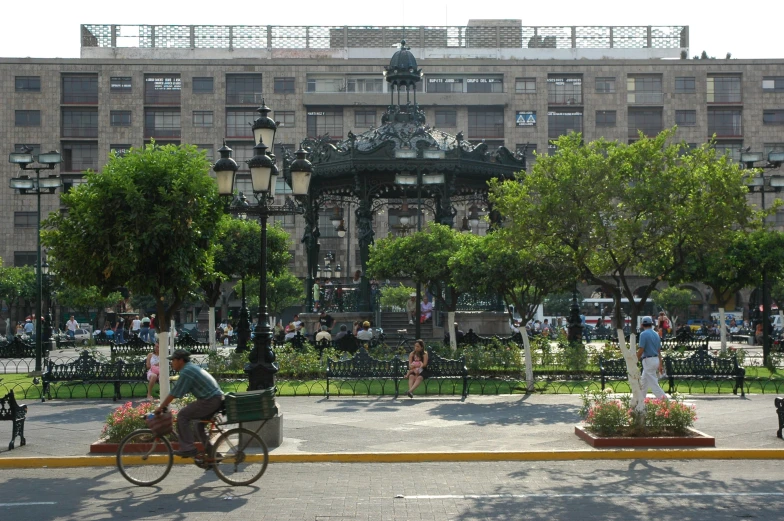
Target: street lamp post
x=263, y=176
x=38, y=185
x=775, y=159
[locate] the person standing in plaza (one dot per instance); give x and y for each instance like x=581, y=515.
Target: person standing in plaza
x=649, y=352
x=144, y=332
x=136, y=325
x=71, y=326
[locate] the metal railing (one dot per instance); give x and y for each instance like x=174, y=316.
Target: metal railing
x=342, y=37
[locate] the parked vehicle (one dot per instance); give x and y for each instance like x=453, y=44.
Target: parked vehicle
x=82, y=336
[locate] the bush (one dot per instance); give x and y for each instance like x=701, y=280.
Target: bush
x=610, y=416
x=127, y=418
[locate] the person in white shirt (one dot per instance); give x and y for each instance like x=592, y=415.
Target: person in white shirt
x=72, y=325
x=323, y=334
x=365, y=333
x=136, y=325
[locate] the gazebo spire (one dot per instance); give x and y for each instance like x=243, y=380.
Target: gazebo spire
x=403, y=73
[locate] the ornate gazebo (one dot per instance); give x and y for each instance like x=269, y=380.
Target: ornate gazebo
x=403, y=159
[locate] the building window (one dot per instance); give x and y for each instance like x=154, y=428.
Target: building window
x=209, y=152
x=529, y=151
x=729, y=148
x=241, y=152
x=80, y=122
x=203, y=85
x=725, y=122
x=773, y=117
x=685, y=84
x=773, y=147
x=285, y=118
x=120, y=118
x=162, y=90
x=25, y=219
x=724, y=89
x=27, y=118
x=286, y=221
x=243, y=89
x=686, y=118
x=648, y=121
x=239, y=123
x=202, y=118
x=318, y=85
x=162, y=124
x=774, y=84
x=485, y=123
x=120, y=150
x=605, y=85
x=282, y=187
x=563, y=122
x=605, y=118
x=120, y=84
x=525, y=86
x=361, y=85
x=565, y=90
x=444, y=85
x=644, y=90
x=19, y=147
x=80, y=88
x=321, y=122
x=78, y=157
x=25, y=258
x=284, y=85
x=365, y=118
x=325, y=225
x=484, y=85
x=446, y=118
x=27, y=84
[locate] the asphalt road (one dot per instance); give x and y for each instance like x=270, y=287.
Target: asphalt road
x=584, y=490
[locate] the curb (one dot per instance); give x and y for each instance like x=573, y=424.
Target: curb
x=418, y=457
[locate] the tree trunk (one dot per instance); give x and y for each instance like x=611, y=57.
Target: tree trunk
x=635, y=378
x=213, y=344
x=163, y=341
x=450, y=317
x=722, y=331
x=529, y=366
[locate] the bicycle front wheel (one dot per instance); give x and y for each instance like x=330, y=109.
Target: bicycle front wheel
x=143, y=458
x=240, y=457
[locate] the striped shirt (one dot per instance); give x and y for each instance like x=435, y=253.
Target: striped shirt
x=193, y=379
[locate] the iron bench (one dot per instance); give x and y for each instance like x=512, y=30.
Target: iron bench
x=703, y=366
x=88, y=370
x=15, y=413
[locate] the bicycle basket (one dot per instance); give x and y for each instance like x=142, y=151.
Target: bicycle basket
x=251, y=405
x=160, y=424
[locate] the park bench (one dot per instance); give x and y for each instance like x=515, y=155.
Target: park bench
x=364, y=367
x=703, y=366
x=192, y=345
x=18, y=348
x=692, y=344
x=133, y=347
x=15, y=413
x=613, y=369
x=347, y=343
x=471, y=338
x=779, y=403
x=88, y=370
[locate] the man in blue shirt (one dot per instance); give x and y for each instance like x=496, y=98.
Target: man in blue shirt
x=209, y=398
x=649, y=351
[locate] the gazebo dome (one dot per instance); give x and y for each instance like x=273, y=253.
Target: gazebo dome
x=402, y=69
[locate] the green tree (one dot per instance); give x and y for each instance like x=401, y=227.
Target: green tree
x=426, y=255
x=283, y=290
x=84, y=299
x=619, y=211
x=238, y=255
x=17, y=285
x=674, y=300
x=146, y=222
x=560, y=304
x=395, y=296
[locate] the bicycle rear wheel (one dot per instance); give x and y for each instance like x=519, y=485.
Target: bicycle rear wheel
x=240, y=457
x=143, y=458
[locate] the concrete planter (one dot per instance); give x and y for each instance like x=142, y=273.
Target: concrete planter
x=103, y=447
x=694, y=439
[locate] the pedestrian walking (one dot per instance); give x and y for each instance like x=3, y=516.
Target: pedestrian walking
x=649, y=352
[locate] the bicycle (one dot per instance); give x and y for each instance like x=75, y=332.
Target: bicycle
x=238, y=456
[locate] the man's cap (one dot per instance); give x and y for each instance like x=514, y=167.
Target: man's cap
x=366, y=324
x=180, y=353
x=647, y=321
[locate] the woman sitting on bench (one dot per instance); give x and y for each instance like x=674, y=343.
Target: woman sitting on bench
x=153, y=370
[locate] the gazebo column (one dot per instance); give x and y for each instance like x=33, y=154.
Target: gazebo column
x=312, y=246
x=364, y=215
x=444, y=213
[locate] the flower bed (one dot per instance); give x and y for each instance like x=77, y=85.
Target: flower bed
x=609, y=416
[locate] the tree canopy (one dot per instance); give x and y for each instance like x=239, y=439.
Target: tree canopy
x=146, y=222
x=620, y=210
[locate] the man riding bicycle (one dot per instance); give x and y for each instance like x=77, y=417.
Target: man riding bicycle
x=209, y=398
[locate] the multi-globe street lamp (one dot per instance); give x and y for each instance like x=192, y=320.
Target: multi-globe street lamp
x=264, y=175
x=774, y=183
x=36, y=186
